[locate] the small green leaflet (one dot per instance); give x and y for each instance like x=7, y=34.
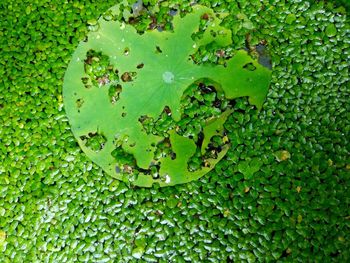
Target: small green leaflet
x=148, y=73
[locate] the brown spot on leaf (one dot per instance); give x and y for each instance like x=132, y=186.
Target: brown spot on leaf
x=128, y=76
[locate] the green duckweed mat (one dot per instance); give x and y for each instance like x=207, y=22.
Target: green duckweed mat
x=281, y=192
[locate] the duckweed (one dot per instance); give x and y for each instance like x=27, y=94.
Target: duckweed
x=56, y=205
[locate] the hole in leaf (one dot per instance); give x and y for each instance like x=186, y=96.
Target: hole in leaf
x=199, y=103
x=125, y=162
x=195, y=163
x=167, y=110
x=163, y=150
x=161, y=125
x=128, y=76
x=214, y=147
x=94, y=141
x=79, y=103
x=198, y=160
x=153, y=170
x=114, y=93
x=91, y=55
x=120, y=139
x=99, y=70
x=123, y=114
x=249, y=66
x=158, y=50
x=86, y=82
x=140, y=66
x=126, y=51
x=147, y=123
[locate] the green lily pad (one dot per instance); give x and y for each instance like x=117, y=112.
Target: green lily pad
x=120, y=83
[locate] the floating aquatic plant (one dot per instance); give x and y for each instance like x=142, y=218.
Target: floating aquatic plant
x=144, y=110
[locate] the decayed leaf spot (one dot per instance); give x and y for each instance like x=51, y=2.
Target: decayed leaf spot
x=165, y=125
x=128, y=76
x=249, y=66
x=140, y=66
x=158, y=50
x=85, y=81
x=80, y=103
x=126, y=51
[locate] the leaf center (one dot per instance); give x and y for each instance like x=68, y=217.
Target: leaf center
x=168, y=77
